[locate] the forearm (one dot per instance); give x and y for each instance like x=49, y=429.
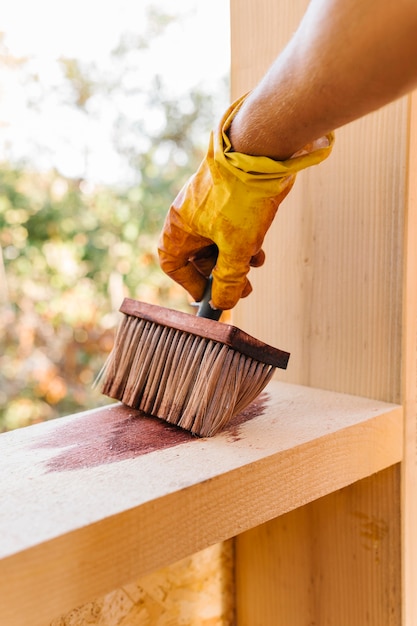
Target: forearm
x=346, y=59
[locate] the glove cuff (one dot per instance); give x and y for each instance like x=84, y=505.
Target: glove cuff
x=248, y=168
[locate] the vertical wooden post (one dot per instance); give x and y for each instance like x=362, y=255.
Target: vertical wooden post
x=339, y=292
x=334, y=561
x=409, y=379
x=331, y=289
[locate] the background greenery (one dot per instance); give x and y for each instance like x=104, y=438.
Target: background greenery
x=71, y=250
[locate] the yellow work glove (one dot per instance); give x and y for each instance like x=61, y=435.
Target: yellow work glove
x=218, y=221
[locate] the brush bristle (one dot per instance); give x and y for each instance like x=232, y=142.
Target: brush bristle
x=193, y=382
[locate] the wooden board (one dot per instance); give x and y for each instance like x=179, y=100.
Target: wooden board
x=95, y=500
x=335, y=577
x=342, y=256
x=409, y=380
x=330, y=292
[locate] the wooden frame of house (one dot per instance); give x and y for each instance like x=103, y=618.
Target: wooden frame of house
x=303, y=511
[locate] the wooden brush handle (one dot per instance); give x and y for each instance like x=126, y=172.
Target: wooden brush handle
x=204, y=308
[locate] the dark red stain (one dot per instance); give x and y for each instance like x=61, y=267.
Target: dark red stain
x=255, y=409
x=117, y=433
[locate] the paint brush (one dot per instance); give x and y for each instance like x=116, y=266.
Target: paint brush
x=186, y=369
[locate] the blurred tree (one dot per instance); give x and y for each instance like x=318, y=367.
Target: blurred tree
x=71, y=249
x=71, y=253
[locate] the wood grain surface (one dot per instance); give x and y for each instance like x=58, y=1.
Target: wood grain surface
x=95, y=500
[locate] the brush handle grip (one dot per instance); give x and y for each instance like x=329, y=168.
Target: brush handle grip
x=204, y=308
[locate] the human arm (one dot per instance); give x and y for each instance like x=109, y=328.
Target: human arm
x=346, y=59
x=217, y=223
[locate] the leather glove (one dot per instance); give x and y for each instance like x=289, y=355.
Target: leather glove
x=217, y=223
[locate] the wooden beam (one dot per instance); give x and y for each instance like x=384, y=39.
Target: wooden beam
x=92, y=501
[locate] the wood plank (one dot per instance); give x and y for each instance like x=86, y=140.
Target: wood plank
x=335, y=255
x=95, y=500
x=334, y=549
x=409, y=379
x=259, y=31
x=330, y=292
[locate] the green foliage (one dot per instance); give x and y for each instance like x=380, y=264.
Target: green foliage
x=71, y=252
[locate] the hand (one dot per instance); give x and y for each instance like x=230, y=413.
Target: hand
x=217, y=223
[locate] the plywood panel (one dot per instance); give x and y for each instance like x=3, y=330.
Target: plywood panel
x=196, y=591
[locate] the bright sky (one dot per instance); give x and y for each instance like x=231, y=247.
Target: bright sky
x=194, y=51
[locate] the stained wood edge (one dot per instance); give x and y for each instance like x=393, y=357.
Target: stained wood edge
x=208, y=329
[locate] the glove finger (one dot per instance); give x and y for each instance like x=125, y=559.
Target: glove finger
x=176, y=250
x=230, y=282
x=184, y=273
x=258, y=259
x=206, y=259
x=247, y=289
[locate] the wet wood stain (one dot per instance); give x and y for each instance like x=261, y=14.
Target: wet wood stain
x=117, y=432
